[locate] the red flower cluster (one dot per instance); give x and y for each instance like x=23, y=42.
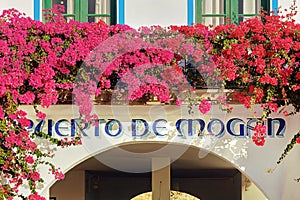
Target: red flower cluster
x=259, y=134
x=204, y=106
x=263, y=57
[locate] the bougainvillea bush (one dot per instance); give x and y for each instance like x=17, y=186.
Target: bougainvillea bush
x=38, y=61
x=262, y=56
x=41, y=62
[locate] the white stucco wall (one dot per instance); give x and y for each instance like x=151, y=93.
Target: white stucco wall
x=286, y=4
x=252, y=193
x=155, y=12
x=24, y=6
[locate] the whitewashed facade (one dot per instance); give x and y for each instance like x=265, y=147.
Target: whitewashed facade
x=253, y=162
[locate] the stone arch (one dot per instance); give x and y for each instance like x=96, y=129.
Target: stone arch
x=85, y=158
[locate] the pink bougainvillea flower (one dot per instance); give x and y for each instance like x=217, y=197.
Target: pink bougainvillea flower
x=41, y=115
x=178, y=102
x=27, y=98
x=35, y=176
x=21, y=113
x=268, y=80
x=204, y=106
x=1, y=113
x=24, y=122
x=36, y=197
x=286, y=113
x=29, y=160
x=58, y=174
x=296, y=87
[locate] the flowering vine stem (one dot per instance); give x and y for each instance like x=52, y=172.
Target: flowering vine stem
x=289, y=147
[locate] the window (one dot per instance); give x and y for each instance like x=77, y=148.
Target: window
x=87, y=10
x=214, y=12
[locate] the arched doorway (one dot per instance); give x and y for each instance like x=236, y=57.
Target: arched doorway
x=208, y=177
